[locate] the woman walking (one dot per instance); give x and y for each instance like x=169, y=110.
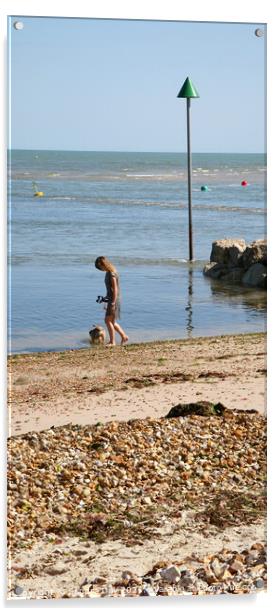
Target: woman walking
x=113, y=300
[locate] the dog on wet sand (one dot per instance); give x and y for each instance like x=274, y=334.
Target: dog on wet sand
x=97, y=334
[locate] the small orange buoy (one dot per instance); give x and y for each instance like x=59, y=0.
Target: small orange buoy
x=244, y=183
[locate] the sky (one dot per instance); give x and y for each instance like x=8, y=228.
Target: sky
x=110, y=84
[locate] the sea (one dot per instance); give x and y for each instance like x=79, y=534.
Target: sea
x=133, y=208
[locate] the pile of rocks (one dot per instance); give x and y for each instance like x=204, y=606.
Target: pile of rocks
x=233, y=261
x=120, y=480
x=127, y=480
x=227, y=571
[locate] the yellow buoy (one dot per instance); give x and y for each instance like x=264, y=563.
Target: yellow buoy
x=37, y=193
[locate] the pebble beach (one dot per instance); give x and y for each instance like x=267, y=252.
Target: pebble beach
x=165, y=497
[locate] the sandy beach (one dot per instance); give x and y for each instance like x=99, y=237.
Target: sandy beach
x=135, y=381
x=73, y=449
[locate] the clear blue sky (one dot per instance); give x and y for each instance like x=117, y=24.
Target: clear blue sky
x=91, y=84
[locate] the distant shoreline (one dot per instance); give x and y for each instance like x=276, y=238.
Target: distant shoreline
x=130, y=151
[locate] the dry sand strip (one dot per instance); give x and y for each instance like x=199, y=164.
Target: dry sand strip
x=71, y=568
x=136, y=381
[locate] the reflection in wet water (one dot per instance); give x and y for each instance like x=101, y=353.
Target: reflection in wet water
x=189, y=306
x=248, y=297
x=213, y=307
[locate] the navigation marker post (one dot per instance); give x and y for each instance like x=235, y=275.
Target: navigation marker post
x=189, y=91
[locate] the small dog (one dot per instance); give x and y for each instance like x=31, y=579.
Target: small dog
x=97, y=334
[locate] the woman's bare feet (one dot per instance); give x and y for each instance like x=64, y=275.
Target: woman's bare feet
x=124, y=339
x=110, y=344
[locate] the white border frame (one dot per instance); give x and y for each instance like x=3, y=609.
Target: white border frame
x=237, y=11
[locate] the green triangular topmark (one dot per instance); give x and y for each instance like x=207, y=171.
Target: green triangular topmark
x=188, y=90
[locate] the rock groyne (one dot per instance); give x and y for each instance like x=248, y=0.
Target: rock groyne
x=234, y=261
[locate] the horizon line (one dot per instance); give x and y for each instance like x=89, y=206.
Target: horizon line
x=133, y=151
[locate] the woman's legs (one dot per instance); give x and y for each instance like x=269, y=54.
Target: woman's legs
x=115, y=327
x=110, y=326
x=120, y=331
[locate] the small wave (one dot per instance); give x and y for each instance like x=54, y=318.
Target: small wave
x=61, y=198
x=143, y=175
x=209, y=174
x=18, y=259
x=156, y=176
x=227, y=208
x=164, y=261
x=137, y=202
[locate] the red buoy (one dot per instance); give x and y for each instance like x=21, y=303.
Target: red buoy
x=244, y=183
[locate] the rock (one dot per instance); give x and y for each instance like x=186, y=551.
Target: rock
x=57, y=570
x=255, y=276
x=108, y=592
x=255, y=253
x=234, y=275
x=100, y=580
x=227, y=251
x=217, y=568
x=147, y=592
x=209, y=576
x=252, y=557
x=231, y=261
x=206, y=409
x=80, y=552
x=147, y=580
x=126, y=575
x=86, y=492
x=257, y=546
x=259, y=583
x=214, y=270
x=136, y=581
x=84, y=583
x=236, y=566
x=18, y=590
x=187, y=581
x=257, y=570
x=171, y=574
x=162, y=592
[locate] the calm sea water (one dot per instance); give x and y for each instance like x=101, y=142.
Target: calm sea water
x=131, y=207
